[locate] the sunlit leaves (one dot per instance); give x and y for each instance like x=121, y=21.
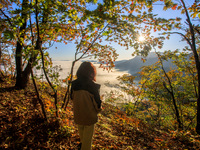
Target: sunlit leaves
x=74, y=16
x=92, y=1
x=111, y=18
x=169, y=4
x=182, y=78
x=195, y=10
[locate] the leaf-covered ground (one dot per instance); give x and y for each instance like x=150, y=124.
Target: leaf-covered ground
x=23, y=127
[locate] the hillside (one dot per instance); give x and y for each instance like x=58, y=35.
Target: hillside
x=22, y=126
x=134, y=65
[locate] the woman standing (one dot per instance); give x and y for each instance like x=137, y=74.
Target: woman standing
x=86, y=103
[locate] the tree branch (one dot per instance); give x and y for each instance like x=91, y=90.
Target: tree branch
x=6, y=17
x=98, y=36
x=182, y=36
x=195, y=28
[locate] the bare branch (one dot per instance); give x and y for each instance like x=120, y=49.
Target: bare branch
x=98, y=36
x=6, y=17
x=197, y=30
x=182, y=36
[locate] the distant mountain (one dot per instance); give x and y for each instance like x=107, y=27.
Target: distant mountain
x=133, y=66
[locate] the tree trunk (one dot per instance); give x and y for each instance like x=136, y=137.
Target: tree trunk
x=1, y=78
x=198, y=116
x=27, y=71
x=22, y=78
x=18, y=60
x=67, y=94
x=171, y=92
x=197, y=62
x=38, y=96
x=21, y=82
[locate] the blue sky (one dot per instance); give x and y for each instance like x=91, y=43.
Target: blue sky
x=66, y=52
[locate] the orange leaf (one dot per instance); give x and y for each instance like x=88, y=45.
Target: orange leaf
x=174, y=7
x=157, y=139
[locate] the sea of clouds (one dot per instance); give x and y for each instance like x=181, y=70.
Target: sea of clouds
x=107, y=80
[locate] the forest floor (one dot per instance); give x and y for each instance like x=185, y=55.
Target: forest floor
x=23, y=127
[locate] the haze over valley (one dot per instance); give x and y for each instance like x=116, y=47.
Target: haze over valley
x=108, y=80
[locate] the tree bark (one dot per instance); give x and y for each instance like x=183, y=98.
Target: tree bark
x=23, y=74
x=21, y=82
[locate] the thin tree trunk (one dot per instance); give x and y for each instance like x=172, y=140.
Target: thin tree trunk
x=38, y=96
x=42, y=54
x=1, y=78
x=67, y=94
x=34, y=83
x=171, y=92
x=197, y=61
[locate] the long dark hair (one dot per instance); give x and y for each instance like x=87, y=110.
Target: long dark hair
x=87, y=70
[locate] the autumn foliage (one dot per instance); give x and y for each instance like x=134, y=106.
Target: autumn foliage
x=23, y=127
x=31, y=113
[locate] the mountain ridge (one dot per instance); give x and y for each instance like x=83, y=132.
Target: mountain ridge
x=133, y=66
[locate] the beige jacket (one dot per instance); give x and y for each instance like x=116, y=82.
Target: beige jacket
x=86, y=101
x=85, y=108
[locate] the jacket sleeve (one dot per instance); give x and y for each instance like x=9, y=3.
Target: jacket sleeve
x=97, y=95
x=71, y=90
x=97, y=108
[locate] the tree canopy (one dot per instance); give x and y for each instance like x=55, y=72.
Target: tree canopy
x=30, y=27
